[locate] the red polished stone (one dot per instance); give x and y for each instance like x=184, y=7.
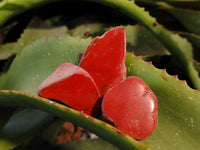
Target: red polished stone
x=104, y=59
x=132, y=107
x=71, y=85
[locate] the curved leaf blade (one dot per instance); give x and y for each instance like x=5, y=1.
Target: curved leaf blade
x=20, y=127
x=26, y=73
x=189, y=18
x=40, y=59
x=7, y=50
x=178, y=107
x=141, y=16
x=9, y=9
x=143, y=42
x=36, y=30
x=130, y=9
x=101, y=129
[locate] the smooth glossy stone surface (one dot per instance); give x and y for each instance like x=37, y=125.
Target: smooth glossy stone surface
x=132, y=107
x=71, y=85
x=104, y=59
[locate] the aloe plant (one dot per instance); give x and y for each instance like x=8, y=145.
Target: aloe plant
x=44, y=45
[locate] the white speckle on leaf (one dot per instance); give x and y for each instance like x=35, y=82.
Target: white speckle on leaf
x=51, y=102
x=191, y=120
x=190, y=98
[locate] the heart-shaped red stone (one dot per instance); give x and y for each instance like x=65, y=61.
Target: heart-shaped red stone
x=71, y=85
x=132, y=107
x=104, y=59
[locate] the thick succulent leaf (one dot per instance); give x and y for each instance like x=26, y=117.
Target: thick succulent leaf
x=36, y=30
x=7, y=50
x=5, y=113
x=22, y=125
x=49, y=133
x=2, y=78
x=139, y=39
x=189, y=18
x=141, y=16
x=101, y=129
x=130, y=9
x=178, y=107
x=87, y=30
x=195, y=40
x=9, y=9
x=194, y=4
x=196, y=65
x=143, y=42
x=38, y=61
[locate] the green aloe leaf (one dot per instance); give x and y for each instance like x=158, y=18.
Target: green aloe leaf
x=9, y=9
x=5, y=113
x=21, y=126
x=195, y=40
x=189, y=18
x=141, y=16
x=86, y=30
x=194, y=4
x=178, y=107
x=37, y=61
x=50, y=53
x=178, y=104
x=36, y=30
x=40, y=59
x=143, y=42
x=125, y=6
x=102, y=129
x=7, y=50
x=139, y=39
